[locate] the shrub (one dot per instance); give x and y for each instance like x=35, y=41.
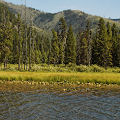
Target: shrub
x=82, y=68
x=95, y=68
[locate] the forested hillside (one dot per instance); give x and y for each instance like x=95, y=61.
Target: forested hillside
x=25, y=45
x=49, y=21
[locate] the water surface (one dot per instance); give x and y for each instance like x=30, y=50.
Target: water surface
x=39, y=105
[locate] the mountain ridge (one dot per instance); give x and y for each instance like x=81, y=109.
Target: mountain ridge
x=49, y=21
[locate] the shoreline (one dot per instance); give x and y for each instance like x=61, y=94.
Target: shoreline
x=58, y=82
x=45, y=87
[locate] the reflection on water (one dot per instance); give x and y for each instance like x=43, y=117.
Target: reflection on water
x=39, y=105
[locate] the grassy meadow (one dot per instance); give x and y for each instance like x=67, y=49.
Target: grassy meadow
x=62, y=74
x=51, y=77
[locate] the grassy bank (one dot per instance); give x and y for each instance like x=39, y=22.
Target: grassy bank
x=72, y=78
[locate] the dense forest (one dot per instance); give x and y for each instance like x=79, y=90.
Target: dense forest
x=23, y=44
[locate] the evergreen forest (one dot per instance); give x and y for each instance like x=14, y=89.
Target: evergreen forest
x=25, y=45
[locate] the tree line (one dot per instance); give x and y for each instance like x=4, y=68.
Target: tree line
x=20, y=43
x=100, y=47
x=24, y=45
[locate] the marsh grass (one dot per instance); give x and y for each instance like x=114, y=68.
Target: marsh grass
x=63, y=74
x=73, y=78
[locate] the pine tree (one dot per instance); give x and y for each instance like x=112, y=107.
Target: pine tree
x=109, y=45
x=33, y=45
x=50, y=53
x=55, y=48
x=30, y=48
x=15, y=47
x=82, y=50
x=62, y=34
x=95, y=47
x=100, y=46
x=24, y=47
x=44, y=57
x=89, y=42
x=118, y=50
x=78, y=51
x=37, y=57
x=6, y=38
x=114, y=45
x=19, y=27
x=70, y=51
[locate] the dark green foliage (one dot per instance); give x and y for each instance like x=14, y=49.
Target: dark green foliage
x=102, y=46
x=118, y=50
x=84, y=46
x=82, y=49
x=54, y=49
x=6, y=35
x=109, y=46
x=70, y=51
x=62, y=34
x=115, y=45
x=88, y=34
x=25, y=44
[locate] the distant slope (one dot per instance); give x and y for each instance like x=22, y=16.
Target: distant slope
x=116, y=20
x=31, y=13
x=48, y=21
x=74, y=17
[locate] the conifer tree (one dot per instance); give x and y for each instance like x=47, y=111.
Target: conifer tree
x=62, y=34
x=44, y=57
x=118, y=50
x=78, y=51
x=114, y=45
x=37, y=56
x=70, y=51
x=101, y=46
x=50, y=53
x=55, y=47
x=19, y=28
x=30, y=48
x=82, y=50
x=6, y=38
x=87, y=35
x=109, y=46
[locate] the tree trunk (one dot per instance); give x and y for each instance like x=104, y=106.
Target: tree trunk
x=4, y=65
x=30, y=49
x=24, y=66
x=19, y=48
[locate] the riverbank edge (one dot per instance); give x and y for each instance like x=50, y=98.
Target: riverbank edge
x=28, y=86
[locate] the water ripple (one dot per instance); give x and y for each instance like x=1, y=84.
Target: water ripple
x=64, y=106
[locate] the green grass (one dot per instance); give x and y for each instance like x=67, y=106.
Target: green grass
x=62, y=68
x=62, y=74
x=77, y=78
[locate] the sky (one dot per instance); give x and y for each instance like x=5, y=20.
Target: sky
x=103, y=8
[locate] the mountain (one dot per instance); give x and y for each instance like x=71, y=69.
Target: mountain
x=48, y=21
x=116, y=20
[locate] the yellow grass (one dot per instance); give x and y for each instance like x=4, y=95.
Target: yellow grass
x=78, y=78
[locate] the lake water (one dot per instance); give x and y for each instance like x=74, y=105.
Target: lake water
x=37, y=105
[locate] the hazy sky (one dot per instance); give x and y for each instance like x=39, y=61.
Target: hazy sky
x=104, y=8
